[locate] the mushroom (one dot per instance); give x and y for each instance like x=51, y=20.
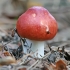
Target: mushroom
x=36, y=25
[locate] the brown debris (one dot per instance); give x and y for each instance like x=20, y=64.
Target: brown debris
x=54, y=59
x=6, y=53
x=59, y=65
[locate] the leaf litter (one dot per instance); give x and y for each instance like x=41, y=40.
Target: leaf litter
x=57, y=56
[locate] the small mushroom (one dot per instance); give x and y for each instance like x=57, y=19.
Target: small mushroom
x=36, y=25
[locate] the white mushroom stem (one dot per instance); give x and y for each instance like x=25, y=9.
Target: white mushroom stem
x=36, y=46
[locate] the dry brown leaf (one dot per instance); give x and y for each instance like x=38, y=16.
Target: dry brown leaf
x=59, y=65
x=6, y=53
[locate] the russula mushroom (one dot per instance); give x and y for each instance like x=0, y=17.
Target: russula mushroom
x=36, y=25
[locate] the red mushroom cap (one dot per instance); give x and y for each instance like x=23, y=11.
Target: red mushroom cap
x=37, y=24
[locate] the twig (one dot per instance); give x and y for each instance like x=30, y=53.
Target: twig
x=33, y=65
x=49, y=47
x=24, y=58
